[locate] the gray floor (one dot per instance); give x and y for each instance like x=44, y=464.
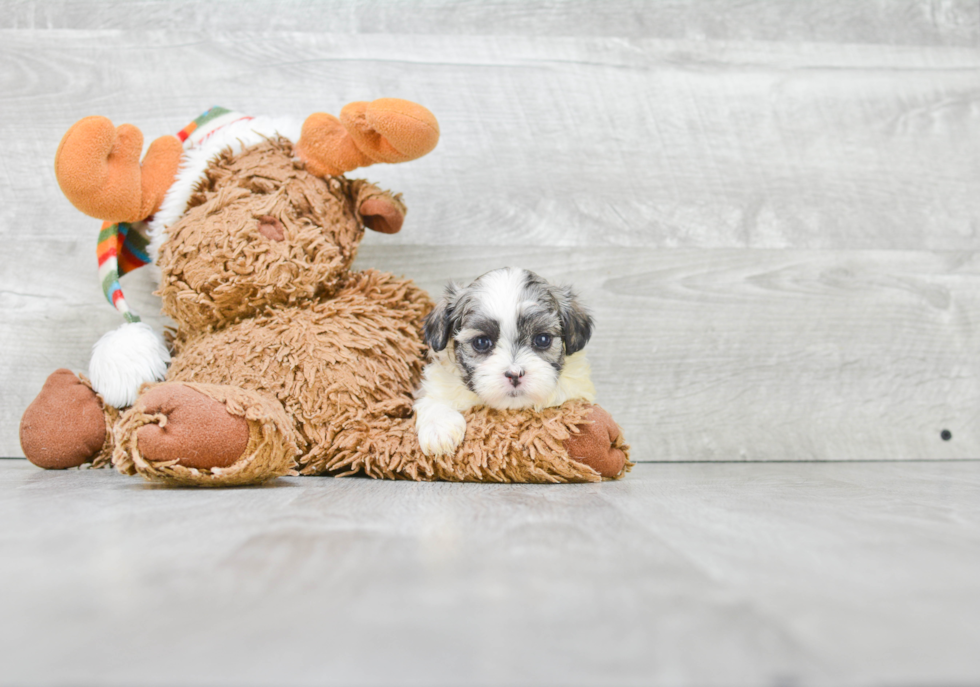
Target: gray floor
x=726, y=573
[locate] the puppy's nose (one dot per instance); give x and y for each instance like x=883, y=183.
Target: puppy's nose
x=514, y=376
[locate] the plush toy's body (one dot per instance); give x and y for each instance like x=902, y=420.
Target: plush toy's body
x=284, y=359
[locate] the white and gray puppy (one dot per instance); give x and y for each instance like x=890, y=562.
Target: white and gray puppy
x=509, y=340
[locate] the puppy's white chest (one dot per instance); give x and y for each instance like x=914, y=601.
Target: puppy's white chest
x=443, y=396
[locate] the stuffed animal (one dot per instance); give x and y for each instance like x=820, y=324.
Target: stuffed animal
x=283, y=360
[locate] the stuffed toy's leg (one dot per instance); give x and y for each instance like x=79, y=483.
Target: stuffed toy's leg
x=599, y=444
x=204, y=435
x=577, y=442
x=67, y=425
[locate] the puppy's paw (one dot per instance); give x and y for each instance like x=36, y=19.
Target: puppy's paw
x=440, y=431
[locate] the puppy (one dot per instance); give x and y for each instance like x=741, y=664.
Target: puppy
x=509, y=340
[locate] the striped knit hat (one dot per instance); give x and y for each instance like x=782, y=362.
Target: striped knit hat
x=121, y=249
x=126, y=357
x=122, y=245
x=202, y=128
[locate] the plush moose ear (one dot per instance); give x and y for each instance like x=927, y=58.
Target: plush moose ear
x=440, y=322
x=380, y=210
x=382, y=215
x=576, y=322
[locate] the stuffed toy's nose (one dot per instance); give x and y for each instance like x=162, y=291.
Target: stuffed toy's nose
x=271, y=228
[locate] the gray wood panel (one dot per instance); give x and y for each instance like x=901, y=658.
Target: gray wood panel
x=696, y=574
x=764, y=354
x=568, y=141
x=700, y=354
x=772, y=206
x=896, y=22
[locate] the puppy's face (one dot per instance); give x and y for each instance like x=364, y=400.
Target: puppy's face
x=510, y=332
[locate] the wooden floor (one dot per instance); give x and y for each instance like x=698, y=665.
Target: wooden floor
x=770, y=205
x=682, y=574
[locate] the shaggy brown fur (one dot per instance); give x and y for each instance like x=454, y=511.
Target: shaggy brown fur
x=103, y=458
x=336, y=361
x=500, y=446
x=218, y=268
x=269, y=453
x=320, y=361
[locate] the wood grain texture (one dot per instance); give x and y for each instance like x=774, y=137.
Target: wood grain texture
x=699, y=354
x=567, y=141
x=695, y=574
x=772, y=205
x=896, y=22
x=738, y=354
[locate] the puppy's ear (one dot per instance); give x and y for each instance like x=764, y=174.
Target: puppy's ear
x=576, y=322
x=439, y=323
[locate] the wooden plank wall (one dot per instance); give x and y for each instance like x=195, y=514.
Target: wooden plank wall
x=773, y=207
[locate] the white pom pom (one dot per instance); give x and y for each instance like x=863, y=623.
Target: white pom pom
x=125, y=358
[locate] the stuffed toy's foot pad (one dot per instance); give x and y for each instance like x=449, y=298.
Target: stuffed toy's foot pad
x=597, y=444
x=194, y=430
x=63, y=427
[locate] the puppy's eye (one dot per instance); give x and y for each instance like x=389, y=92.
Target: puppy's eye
x=482, y=344
x=542, y=341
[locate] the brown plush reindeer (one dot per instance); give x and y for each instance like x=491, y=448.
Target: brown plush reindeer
x=284, y=360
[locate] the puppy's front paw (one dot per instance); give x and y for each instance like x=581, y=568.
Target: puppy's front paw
x=440, y=432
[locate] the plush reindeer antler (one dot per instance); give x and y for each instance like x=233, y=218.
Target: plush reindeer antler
x=385, y=130
x=98, y=168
